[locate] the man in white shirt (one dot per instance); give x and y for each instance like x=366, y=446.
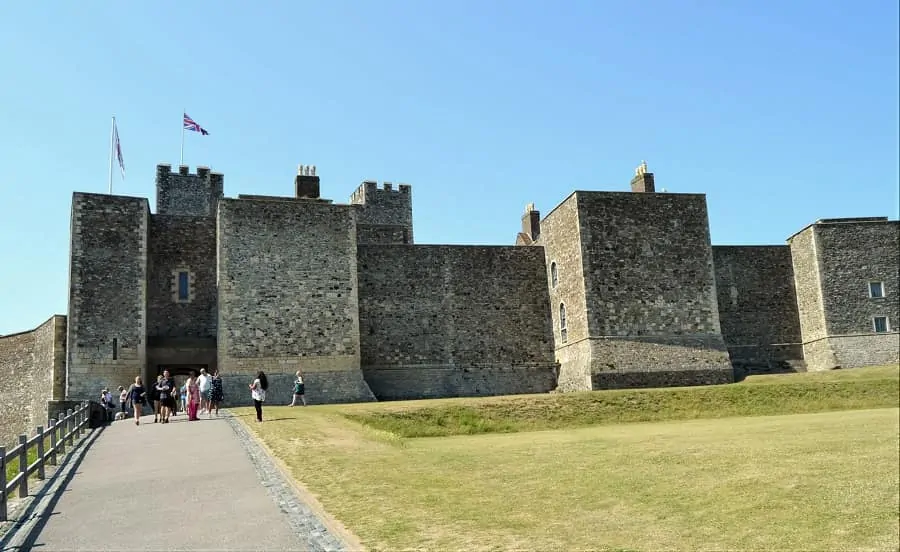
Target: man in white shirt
x=204, y=384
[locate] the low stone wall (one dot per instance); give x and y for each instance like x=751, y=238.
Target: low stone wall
x=766, y=359
x=322, y=387
x=437, y=381
x=667, y=378
x=854, y=351
x=656, y=362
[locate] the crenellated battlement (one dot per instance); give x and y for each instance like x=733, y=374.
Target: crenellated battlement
x=369, y=192
x=185, y=193
x=165, y=169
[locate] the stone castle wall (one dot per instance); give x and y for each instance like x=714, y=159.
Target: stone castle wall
x=758, y=308
x=107, y=322
x=561, y=244
x=182, y=243
x=32, y=372
x=384, y=215
x=288, y=296
x=852, y=254
x=186, y=194
x=652, y=306
x=444, y=321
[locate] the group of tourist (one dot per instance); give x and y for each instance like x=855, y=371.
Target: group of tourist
x=201, y=394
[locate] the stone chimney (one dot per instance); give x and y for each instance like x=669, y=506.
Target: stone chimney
x=531, y=222
x=306, y=184
x=643, y=180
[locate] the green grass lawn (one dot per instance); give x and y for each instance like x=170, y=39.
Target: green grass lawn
x=730, y=478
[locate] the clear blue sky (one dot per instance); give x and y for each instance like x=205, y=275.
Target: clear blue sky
x=781, y=112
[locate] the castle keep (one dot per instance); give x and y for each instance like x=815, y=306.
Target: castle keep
x=609, y=289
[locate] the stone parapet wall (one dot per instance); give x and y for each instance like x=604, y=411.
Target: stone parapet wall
x=32, y=370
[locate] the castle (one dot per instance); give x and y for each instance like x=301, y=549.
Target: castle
x=609, y=289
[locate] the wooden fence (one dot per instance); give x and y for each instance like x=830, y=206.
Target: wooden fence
x=49, y=445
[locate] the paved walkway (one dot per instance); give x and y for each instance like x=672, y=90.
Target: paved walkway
x=179, y=486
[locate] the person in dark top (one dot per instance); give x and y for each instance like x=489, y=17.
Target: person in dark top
x=216, y=393
x=153, y=393
x=138, y=399
x=167, y=390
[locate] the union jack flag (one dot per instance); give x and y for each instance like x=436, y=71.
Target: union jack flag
x=190, y=124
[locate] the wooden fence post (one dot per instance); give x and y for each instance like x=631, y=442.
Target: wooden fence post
x=69, y=427
x=52, y=429
x=3, y=483
x=23, y=466
x=40, y=452
x=61, y=438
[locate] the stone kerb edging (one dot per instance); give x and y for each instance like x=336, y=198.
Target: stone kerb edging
x=28, y=515
x=305, y=514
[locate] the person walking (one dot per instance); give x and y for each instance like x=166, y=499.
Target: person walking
x=258, y=392
x=167, y=391
x=299, y=389
x=154, y=396
x=192, y=389
x=216, y=393
x=138, y=399
x=203, y=382
x=124, y=395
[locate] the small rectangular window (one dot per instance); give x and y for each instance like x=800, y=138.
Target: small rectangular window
x=115, y=348
x=876, y=290
x=182, y=286
x=881, y=325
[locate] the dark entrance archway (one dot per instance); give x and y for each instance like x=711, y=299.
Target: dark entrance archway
x=180, y=370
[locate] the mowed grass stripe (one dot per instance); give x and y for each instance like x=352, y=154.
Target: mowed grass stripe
x=862, y=388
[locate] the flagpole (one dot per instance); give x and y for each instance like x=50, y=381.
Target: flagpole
x=112, y=130
x=182, y=136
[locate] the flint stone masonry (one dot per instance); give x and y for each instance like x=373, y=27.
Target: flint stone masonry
x=559, y=239
x=444, y=321
x=107, y=293
x=835, y=259
x=650, y=292
x=610, y=289
x=384, y=215
x=187, y=194
x=758, y=308
x=182, y=243
x=32, y=370
x=288, y=290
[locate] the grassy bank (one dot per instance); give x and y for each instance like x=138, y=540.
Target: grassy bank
x=874, y=387
x=812, y=481
x=825, y=481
